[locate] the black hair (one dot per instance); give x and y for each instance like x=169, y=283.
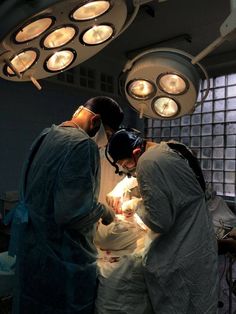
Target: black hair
x=110, y=111
x=123, y=142
x=121, y=145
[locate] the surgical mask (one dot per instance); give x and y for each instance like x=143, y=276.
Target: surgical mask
x=81, y=108
x=100, y=138
x=131, y=172
x=127, y=172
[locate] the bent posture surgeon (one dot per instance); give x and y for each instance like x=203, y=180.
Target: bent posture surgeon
x=180, y=265
x=56, y=218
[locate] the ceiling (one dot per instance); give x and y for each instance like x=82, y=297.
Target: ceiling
x=188, y=25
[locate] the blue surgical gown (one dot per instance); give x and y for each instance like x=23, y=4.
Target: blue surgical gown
x=56, y=257
x=180, y=266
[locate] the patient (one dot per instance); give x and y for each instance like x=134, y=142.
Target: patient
x=121, y=245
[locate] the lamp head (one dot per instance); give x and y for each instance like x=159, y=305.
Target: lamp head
x=162, y=83
x=42, y=38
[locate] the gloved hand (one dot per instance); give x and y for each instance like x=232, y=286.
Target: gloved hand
x=108, y=215
x=114, y=202
x=129, y=207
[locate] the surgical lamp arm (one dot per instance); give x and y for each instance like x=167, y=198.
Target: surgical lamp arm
x=227, y=30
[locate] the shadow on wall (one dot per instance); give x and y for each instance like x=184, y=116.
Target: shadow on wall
x=25, y=112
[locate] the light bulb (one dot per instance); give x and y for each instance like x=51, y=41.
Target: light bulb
x=60, y=60
x=33, y=30
x=165, y=107
x=59, y=37
x=91, y=10
x=172, y=84
x=141, y=89
x=97, y=34
x=22, y=61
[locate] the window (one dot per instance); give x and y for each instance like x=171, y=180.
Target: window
x=67, y=76
x=210, y=131
x=107, y=83
x=87, y=78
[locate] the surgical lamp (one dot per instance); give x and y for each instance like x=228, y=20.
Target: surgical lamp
x=39, y=39
x=163, y=83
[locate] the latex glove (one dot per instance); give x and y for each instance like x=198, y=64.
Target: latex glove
x=108, y=215
x=129, y=207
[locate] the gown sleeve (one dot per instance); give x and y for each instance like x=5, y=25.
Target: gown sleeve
x=157, y=211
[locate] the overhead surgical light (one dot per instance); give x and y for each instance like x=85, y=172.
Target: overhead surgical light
x=163, y=83
x=79, y=28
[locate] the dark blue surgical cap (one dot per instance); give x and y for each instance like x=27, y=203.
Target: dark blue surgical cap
x=122, y=143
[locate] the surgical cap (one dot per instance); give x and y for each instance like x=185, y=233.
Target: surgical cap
x=110, y=111
x=122, y=143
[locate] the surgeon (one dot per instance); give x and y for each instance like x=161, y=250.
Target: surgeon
x=180, y=264
x=53, y=226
